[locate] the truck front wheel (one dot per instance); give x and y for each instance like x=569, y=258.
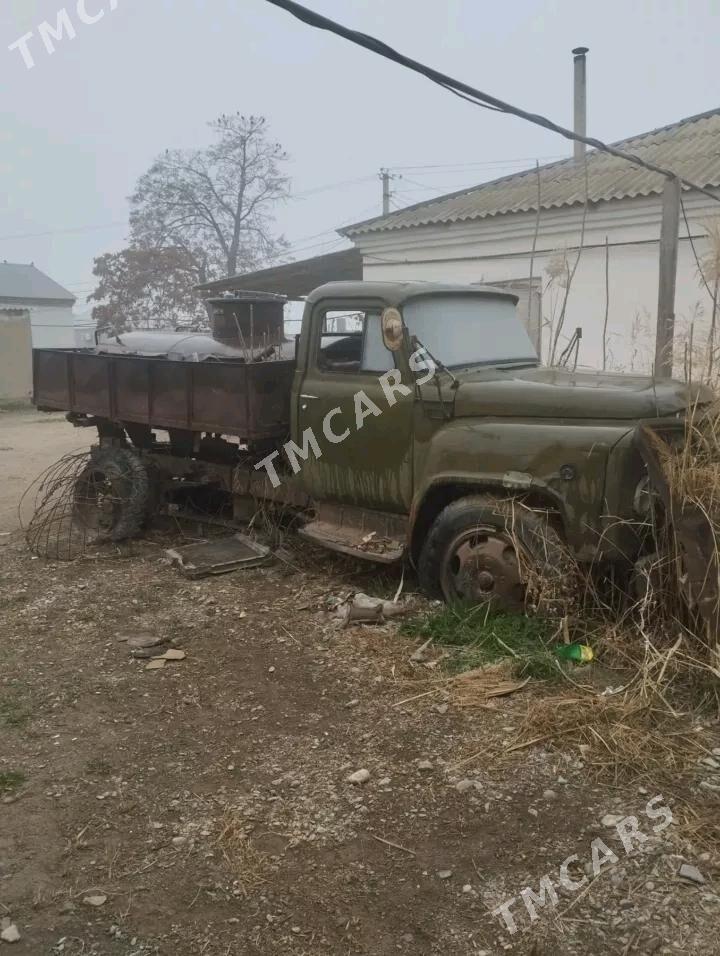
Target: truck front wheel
x=482, y=550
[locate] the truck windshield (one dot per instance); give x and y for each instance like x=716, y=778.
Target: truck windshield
x=464, y=330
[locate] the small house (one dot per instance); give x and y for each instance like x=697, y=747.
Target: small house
x=25, y=290
x=578, y=240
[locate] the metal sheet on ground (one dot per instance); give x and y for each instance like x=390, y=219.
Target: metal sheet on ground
x=219, y=556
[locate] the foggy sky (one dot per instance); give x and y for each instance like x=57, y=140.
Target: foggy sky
x=79, y=128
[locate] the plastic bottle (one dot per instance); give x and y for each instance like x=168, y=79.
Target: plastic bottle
x=580, y=653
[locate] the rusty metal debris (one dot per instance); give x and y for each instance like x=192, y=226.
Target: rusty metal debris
x=363, y=608
x=219, y=556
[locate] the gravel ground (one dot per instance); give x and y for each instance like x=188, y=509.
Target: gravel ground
x=206, y=807
x=29, y=442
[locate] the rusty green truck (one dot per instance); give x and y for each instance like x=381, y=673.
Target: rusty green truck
x=408, y=420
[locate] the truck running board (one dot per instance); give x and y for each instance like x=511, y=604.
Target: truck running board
x=370, y=535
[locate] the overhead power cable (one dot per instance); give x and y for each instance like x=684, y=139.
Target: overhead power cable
x=471, y=93
x=124, y=223
x=63, y=232
x=443, y=167
x=328, y=186
x=436, y=188
x=300, y=244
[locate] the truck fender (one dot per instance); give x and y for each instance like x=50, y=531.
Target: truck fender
x=444, y=489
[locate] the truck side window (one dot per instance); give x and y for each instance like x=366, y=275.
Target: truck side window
x=341, y=341
x=375, y=357
x=352, y=342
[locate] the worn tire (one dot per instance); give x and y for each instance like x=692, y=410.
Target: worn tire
x=546, y=573
x=117, y=476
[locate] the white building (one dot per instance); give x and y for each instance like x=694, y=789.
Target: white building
x=25, y=290
x=486, y=234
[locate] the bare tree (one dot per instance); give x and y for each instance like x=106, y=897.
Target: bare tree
x=607, y=304
x=557, y=271
x=534, y=243
x=215, y=204
x=708, y=270
x=571, y=273
x=146, y=288
x=709, y=273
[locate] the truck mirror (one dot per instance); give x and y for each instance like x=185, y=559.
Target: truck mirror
x=392, y=329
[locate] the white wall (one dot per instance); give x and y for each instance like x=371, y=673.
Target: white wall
x=15, y=355
x=56, y=327
x=497, y=248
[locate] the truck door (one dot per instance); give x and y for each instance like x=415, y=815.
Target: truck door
x=365, y=439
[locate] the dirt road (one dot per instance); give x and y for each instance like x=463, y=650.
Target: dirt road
x=29, y=442
x=207, y=807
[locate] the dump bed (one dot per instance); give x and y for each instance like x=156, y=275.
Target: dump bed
x=249, y=400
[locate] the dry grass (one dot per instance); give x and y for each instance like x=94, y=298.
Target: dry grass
x=638, y=730
x=473, y=689
x=626, y=738
x=694, y=472
x=710, y=259
x=476, y=687
x=685, y=593
x=245, y=862
x=623, y=736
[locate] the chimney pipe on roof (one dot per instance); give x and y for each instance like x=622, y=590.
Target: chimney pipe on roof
x=580, y=98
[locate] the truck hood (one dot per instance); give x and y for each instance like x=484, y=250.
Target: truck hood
x=560, y=393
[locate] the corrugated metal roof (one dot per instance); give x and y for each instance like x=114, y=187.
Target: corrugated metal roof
x=691, y=148
x=26, y=282
x=294, y=279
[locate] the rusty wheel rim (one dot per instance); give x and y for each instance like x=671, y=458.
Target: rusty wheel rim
x=97, y=502
x=481, y=567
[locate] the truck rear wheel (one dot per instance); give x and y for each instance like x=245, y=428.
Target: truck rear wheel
x=482, y=550
x=112, y=494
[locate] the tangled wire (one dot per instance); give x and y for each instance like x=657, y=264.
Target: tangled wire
x=68, y=504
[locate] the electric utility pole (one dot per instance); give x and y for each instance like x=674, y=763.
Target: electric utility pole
x=385, y=176
x=668, y=276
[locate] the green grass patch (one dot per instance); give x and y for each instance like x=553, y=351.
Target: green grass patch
x=12, y=712
x=99, y=767
x=478, y=636
x=11, y=780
